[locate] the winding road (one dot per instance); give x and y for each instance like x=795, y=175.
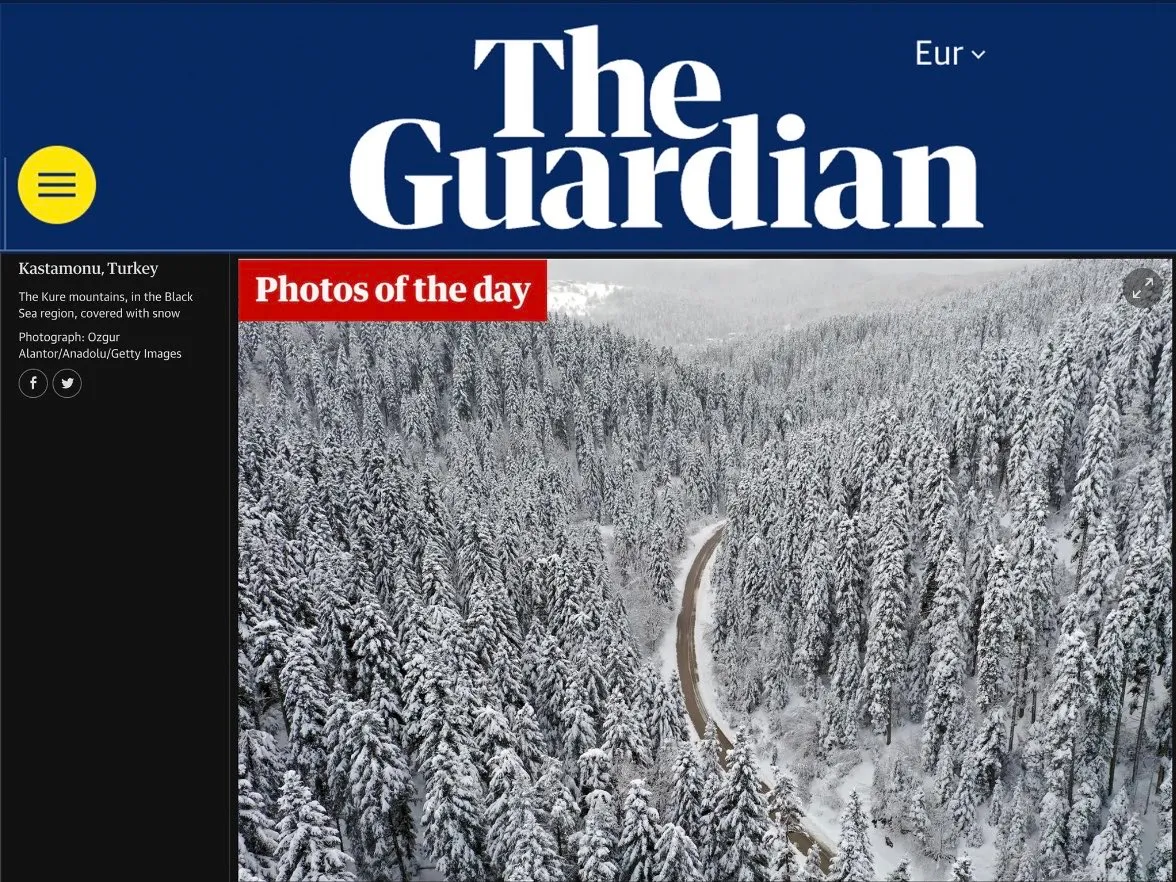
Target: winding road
x=688, y=674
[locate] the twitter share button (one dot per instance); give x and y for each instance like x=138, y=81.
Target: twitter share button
x=67, y=383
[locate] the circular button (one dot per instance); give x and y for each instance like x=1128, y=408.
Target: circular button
x=67, y=383
x=33, y=383
x=1142, y=287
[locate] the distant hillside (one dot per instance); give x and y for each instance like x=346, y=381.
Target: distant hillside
x=577, y=298
x=692, y=304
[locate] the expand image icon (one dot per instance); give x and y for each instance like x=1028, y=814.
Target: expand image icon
x=56, y=185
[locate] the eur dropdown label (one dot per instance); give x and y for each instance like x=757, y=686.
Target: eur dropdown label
x=928, y=53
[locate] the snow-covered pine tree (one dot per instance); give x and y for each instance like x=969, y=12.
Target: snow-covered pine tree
x=452, y=821
x=508, y=778
x=1092, y=491
x=558, y=808
x=378, y=804
x=676, y=858
x=256, y=831
x=1114, y=854
x=994, y=647
x=1070, y=700
x=685, y=803
x=579, y=725
x=741, y=818
x=1159, y=863
x=637, y=843
x=946, y=703
x=305, y=707
x=595, y=772
x=783, y=803
x=811, y=871
x=533, y=855
x=885, y=652
x=661, y=571
x=784, y=859
x=1014, y=831
x=854, y=861
x=308, y=843
x=623, y=738
x=1053, y=844
x=961, y=870
x=264, y=763
x=812, y=643
x=596, y=843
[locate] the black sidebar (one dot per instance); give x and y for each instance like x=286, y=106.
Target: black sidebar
x=117, y=427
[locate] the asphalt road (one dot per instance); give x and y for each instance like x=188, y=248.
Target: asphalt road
x=688, y=673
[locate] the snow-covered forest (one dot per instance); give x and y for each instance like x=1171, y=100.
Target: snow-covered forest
x=955, y=560
x=947, y=553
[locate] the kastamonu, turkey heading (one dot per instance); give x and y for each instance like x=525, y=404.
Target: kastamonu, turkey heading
x=808, y=190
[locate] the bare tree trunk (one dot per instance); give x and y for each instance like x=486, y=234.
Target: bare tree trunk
x=1115, y=741
x=1016, y=705
x=889, y=713
x=1073, y=758
x=1142, y=723
x=1159, y=784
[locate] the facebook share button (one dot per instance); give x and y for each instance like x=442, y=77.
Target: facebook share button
x=33, y=383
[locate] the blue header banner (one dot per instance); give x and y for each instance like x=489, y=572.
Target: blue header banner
x=543, y=128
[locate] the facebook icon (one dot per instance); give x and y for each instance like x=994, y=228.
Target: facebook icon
x=33, y=383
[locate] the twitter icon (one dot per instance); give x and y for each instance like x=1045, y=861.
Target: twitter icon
x=67, y=383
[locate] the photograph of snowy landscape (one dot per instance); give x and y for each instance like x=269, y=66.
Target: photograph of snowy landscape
x=731, y=571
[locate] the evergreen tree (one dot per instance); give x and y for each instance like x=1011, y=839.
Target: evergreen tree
x=595, y=771
x=1159, y=864
x=811, y=871
x=854, y=861
x=533, y=854
x=578, y=722
x=684, y=807
x=597, y=842
x=378, y=806
x=961, y=870
x=1054, y=841
x=783, y=802
x=256, y=831
x=676, y=858
x=784, y=859
x=559, y=812
x=1070, y=700
x=901, y=873
x=946, y=704
x=1092, y=491
x=741, y=818
x=452, y=819
x=1114, y=854
x=637, y=844
x=264, y=765
x=305, y=706
x=884, y=647
x=661, y=571
x=995, y=642
x=623, y=738
x=508, y=779
x=308, y=844
x=1010, y=845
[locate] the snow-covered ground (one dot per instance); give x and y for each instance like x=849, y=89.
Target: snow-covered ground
x=577, y=298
